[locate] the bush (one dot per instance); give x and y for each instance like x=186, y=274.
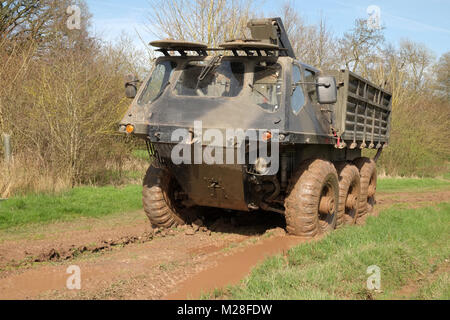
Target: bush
x=419, y=137
x=62, y=107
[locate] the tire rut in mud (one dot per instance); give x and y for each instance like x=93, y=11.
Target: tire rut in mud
x=217, y=221
x=66, y=254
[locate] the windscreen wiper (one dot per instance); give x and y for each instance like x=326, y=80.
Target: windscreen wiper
x=262, y=94
x=162, y=90
x=207, y=69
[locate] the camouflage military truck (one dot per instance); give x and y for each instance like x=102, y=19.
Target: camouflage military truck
x=292, y=135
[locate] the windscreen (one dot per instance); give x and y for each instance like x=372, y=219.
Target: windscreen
x=158, y=81
x=211, y=79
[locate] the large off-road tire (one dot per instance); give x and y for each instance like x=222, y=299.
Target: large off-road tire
x=368, y=174
x=314, y=185
x=158, y=196
x=349, y=193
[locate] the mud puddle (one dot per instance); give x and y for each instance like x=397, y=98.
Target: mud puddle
x=231, y=269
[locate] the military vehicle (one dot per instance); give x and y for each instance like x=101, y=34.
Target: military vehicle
x=314, y=123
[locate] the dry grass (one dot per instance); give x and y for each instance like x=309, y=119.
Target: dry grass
x=24, y=175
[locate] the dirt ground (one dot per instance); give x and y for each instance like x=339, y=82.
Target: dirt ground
x=121, y=257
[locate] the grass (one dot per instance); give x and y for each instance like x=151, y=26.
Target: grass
x=141, y=154
x=89, y=202
x=438, y=288
x=404, y=243
x=446, y=175
x=99, y=201
x=411, y=184
x=94, y=202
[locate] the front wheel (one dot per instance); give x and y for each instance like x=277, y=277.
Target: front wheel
x=311, y=206
x=161, y=199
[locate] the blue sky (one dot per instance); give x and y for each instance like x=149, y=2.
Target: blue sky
x=426, y=21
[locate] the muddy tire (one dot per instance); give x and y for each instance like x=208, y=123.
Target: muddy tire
x=368, y=174
x=158, y=197
x=349, y=193
x=314, y=189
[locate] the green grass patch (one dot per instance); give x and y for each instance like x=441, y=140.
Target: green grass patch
x=141, y=154
x=89, y=202
x=411, y=184
x=446, y=175
x=404, y=243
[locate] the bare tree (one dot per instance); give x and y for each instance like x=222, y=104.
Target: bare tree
x=386, y=70
x=359, y=44
x=418, y=59
x=312, y=44
x=30, y=29
x=20, y=17
x=24, y=20
x=61, y=96
x=209, y=21
x=442, y=70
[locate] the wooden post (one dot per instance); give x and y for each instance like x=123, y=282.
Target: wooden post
x=7, y=147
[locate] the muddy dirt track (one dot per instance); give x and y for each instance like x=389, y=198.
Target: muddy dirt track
x=121, y=257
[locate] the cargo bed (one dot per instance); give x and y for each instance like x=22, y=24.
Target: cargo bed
x=362, y=112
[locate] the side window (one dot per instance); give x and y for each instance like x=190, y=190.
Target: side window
x=297, y=98
x=266, y=88
x=310, y=76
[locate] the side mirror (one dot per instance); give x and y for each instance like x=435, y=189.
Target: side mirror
x=326, y=90
x=130, y=86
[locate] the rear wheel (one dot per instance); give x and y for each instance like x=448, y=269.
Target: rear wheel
x=368, y=173
x=311, y=206
x=349, y=193
x=161, y=199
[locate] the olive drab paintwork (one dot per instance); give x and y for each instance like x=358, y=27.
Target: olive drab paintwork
x=359, y=119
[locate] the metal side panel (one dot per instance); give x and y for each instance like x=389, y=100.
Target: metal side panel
x=363, y=111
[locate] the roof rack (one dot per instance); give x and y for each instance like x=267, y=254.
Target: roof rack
x=251, y=47
x=182, y=47
x=269, y=37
